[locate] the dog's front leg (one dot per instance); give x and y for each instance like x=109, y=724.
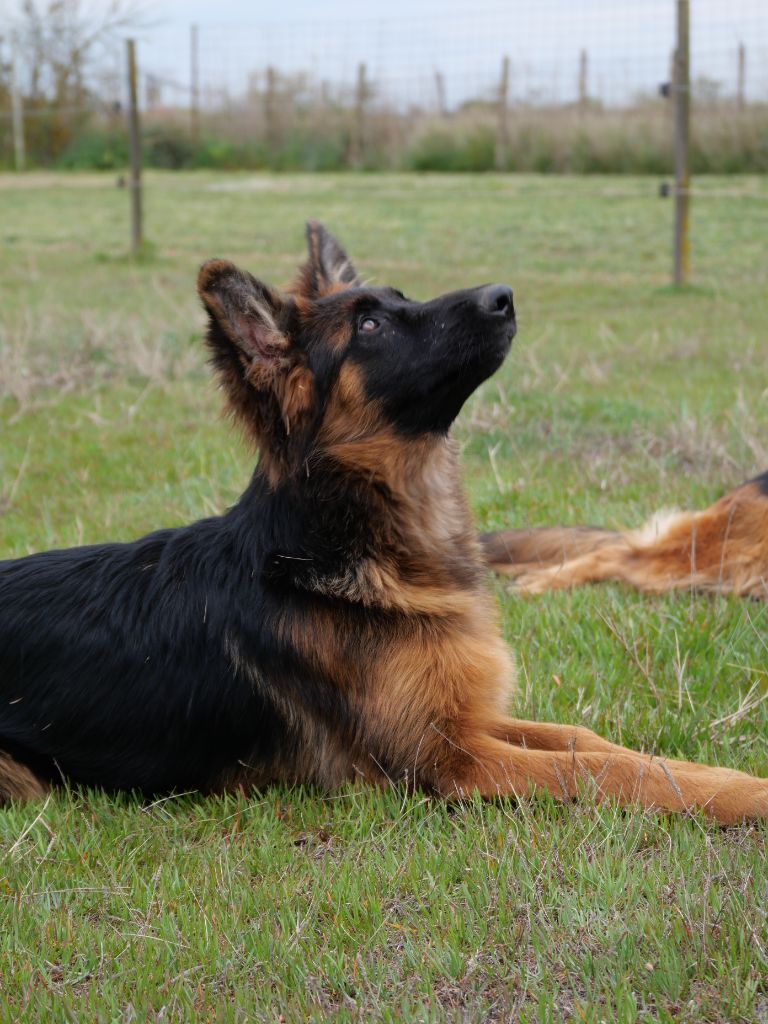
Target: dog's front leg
x=549, y=736
x=479, y=762
x=554, y=736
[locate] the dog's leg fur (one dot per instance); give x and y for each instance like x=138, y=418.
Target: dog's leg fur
x=512, y=552
x=17, y=782
x=722, y=549
x=552, y=736
x=558, y=759
x=467, y=744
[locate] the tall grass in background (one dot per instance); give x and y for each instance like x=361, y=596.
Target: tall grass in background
x=308, y=134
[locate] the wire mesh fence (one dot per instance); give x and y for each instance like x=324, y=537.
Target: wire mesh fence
x=544, y=85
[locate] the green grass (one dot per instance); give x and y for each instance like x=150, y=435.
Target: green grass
x=620, y=395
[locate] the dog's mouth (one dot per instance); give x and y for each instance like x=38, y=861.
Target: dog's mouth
x=495, y=303
x=496, y=349
x=497, y=337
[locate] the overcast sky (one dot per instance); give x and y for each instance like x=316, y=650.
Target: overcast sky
x=403, y=42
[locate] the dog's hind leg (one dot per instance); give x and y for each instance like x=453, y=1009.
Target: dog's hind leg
x=479, y=762
x=17, y=782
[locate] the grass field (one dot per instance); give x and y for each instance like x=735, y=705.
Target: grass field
x=619, y=396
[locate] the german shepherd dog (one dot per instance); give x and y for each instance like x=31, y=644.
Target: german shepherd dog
x=722, y=549
x=333, y=625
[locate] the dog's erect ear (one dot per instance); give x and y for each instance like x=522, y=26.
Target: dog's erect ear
x=265, y=377
x=246, y=310
x=328, y=269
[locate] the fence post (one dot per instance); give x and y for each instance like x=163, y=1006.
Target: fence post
x=19, y=149
x=358, y=127
x=442, y=106
x=741, y=81
x=583, y=78
x=502, y=131
x=134, y=144
x=270, y=113
x=194, y=83
x=682, y=96
x=153, y=93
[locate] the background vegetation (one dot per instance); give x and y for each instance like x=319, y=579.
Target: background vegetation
x=307, y=135
x=620, y=396
x=71, y=86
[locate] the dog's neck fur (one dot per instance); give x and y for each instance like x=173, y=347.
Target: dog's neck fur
x=368, y=521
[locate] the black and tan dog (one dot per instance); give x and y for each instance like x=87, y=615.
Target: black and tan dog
x=334, y=624
x=721, y=549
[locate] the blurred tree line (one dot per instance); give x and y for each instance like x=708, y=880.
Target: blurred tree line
x=60, y=48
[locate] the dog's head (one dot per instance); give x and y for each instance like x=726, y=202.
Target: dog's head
x=333, y=361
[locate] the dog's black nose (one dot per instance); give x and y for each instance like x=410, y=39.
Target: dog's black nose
x=497, y=299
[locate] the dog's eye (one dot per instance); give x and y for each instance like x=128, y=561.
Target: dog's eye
x=368, y=324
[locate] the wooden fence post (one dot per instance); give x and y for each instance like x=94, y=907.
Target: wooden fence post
x=357, y=147
x=682, y=98
x=17, y=109
x=442, y=106
x=741, y=80
x=270, y=112
x=134, y=144
x=502, y=129
x=194, y=83
x=583, y=78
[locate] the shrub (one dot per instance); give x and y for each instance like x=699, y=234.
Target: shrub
x=97, y=150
